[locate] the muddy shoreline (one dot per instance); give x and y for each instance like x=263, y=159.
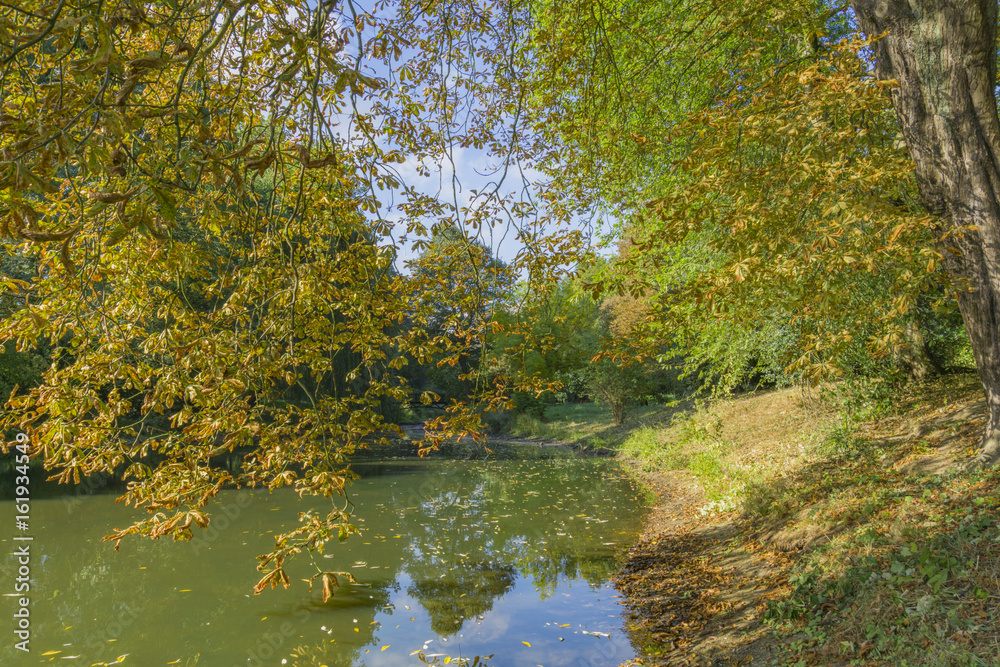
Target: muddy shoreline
x=692, y=598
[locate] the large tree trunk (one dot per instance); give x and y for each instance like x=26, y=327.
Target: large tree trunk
x=943, y=54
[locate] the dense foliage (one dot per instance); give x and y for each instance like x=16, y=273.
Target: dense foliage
x=204, y=200
x=203, y=205
x=769, y=211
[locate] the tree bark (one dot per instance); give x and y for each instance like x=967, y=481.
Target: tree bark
x=943, y=54
x=914, y=357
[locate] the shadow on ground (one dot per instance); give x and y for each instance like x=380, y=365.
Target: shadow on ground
x=872, y=550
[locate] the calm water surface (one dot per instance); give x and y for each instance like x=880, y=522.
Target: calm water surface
x=510, y=558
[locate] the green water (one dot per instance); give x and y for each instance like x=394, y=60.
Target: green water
x=455, y=558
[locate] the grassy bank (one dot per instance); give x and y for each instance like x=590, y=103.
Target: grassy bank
x=791, y=535
x=583, y=425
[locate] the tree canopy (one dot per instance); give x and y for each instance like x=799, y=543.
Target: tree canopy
x=204, y=192
x=204, y=202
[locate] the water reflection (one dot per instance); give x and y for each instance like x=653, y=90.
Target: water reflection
x=489, y=555
x=462, y=592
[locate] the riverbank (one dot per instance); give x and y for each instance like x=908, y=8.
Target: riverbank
x=784, y=535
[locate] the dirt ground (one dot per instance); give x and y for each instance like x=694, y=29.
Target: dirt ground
x=692, y=597
x=696, y=588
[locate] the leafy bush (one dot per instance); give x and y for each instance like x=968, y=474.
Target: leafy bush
x=19, y=369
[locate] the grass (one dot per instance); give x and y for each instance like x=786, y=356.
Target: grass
x=898, y=553
x=729, y=446
x=888, y=555
x=584, y=425
x=908, y=575
x=695, y=440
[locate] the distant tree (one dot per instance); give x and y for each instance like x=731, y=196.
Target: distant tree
x=578, y=347
x=564, y=334
x=460, y=288
x=630, y=369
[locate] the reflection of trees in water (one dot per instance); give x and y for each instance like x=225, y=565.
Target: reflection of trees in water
x=481, y=524
x=467, y=590
x=464, y=532
x=547, y=572
x=566, y=510
x=452, y=552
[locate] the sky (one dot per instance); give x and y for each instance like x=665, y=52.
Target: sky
x=453, y=178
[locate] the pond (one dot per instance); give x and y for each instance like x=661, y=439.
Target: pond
x=456, y=558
